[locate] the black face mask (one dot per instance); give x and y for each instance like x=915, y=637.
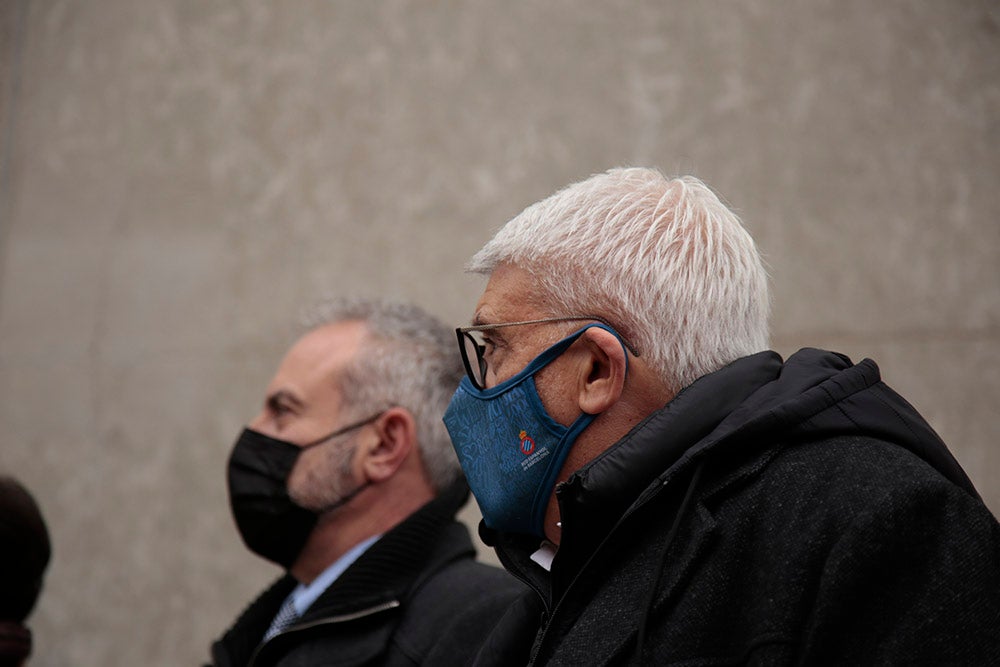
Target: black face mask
x=271, y=524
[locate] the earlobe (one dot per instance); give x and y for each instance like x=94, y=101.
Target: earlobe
x=397, y=435
x=602, y=379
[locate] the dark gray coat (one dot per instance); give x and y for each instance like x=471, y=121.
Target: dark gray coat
x=772, y=513
x=416, y=597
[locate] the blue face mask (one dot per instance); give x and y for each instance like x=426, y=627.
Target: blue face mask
x=510, y=448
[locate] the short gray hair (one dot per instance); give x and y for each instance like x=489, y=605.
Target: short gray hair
x=409, y=359
x=665, y=261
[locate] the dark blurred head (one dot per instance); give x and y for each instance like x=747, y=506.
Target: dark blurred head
x=24, y=550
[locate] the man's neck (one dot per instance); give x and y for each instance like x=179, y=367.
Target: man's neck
x=372, y=513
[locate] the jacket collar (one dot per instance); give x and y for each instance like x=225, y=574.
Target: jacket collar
x=392, y=566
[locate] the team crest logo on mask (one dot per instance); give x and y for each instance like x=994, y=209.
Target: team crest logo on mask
x=527, y=444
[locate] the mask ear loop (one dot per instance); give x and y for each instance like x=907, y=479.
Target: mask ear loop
x=579, y=424
x=343, y=430
x=343, y=500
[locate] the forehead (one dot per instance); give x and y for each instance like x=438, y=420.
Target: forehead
x=314, y=363
x=511, y=295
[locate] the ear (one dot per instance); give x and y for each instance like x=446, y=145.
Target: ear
x=602, y=371
x=396, y=432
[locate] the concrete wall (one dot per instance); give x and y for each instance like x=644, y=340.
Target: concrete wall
x=179, y=178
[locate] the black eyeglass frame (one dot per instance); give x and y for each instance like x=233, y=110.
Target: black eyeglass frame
x=462, y=333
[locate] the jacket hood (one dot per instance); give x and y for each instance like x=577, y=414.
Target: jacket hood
x=821, y=394
x=753, y=402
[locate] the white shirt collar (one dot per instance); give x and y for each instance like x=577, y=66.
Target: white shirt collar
x=546, y=552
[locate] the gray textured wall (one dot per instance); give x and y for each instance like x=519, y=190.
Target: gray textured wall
x=178, y=178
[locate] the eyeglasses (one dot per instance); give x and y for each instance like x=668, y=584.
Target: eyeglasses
x=472, y=343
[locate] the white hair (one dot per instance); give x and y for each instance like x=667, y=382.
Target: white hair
x=407, y=359
x=664, y=261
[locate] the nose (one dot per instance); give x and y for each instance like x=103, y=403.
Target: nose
x=262, y=424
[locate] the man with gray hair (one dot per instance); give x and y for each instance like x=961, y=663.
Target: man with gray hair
x=675, y=493
x=347, y=480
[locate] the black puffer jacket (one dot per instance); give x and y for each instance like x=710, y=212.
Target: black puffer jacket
x=772, y=513
x=416, y=597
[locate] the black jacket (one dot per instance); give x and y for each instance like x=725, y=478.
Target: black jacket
x=416, y=597
x=771, y=513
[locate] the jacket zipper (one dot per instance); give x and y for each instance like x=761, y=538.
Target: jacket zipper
x=295, y=627
x=607, y=538
x=506, y=561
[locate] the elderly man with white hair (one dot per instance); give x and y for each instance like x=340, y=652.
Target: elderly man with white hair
x=673, y=492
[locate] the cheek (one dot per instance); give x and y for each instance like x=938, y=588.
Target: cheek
x=304, y=473
x=498, y=370
x=555, y=390
x=505, y=364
